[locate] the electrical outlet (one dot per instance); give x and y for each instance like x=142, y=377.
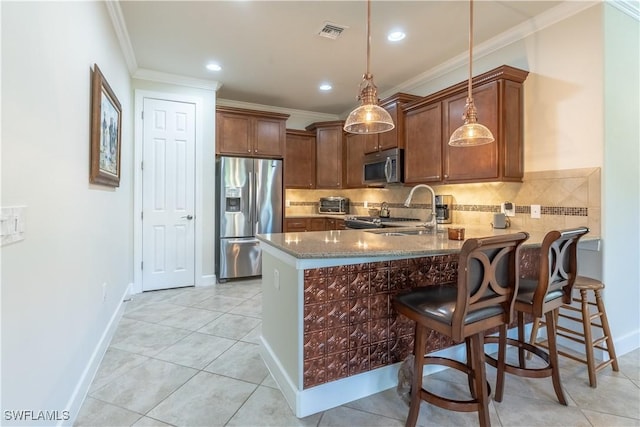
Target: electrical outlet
x=535, y=211
x=288, y=203
x=508, y=209
x=366, y=204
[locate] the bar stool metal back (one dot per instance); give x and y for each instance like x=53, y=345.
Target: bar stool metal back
x=483, y=299
x=540, y=297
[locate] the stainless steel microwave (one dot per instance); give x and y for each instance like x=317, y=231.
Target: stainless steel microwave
x=384, y=167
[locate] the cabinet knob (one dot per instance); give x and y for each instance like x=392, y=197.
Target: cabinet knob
x=445, y=175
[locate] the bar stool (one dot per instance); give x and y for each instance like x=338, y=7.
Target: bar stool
x=483, y=299
x=541, y=297
x=586, y=320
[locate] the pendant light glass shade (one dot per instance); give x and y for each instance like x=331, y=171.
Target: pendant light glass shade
x=471, y=133
x=369, y=117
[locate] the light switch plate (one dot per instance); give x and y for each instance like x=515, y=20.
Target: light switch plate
x=535, y=211
x=12, y=224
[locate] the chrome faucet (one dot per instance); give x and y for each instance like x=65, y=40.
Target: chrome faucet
x=432, y=221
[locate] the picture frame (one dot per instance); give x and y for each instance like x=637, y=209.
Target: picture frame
x=106, y=132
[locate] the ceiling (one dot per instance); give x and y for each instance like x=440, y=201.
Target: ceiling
x=271, y=54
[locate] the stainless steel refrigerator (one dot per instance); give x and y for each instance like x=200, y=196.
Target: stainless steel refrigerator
x=249, y=201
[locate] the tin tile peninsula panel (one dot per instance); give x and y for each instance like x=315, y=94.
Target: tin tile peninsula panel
x=349, y=324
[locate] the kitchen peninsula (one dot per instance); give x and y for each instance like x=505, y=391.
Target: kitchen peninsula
x=329, y=333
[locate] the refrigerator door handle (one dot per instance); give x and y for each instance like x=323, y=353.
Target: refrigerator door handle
x=242, y=241
x=251, y=198
x=256, y=203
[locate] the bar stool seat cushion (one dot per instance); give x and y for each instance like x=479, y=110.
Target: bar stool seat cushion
x=527, y=289
x=439, y=303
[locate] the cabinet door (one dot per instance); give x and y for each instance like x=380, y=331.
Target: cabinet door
x=354, y=155
x=423, y=144
x=293, y=225
x=300, y=161
x=317, y=224
x=234, y=134
x=329, y=157
x=269, y=137
x=387, y=140
x=372, y=142
x=465, y=164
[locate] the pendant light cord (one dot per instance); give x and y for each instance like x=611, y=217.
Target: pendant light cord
x=470, y=45
x=368, y=37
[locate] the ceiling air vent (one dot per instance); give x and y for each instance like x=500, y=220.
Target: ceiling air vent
x=331, y=31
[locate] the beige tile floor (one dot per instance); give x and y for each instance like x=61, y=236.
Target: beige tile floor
x=190, y=357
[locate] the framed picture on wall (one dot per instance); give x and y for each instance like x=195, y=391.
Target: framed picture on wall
x=106, y=120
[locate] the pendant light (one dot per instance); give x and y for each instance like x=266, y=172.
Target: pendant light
x=369, y=117
x=471, y=133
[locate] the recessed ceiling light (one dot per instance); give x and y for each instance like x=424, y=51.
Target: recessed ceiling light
x=396, y=36
x=214, y=67
x=325, y=86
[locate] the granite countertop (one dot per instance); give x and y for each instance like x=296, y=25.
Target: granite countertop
x=374, y=242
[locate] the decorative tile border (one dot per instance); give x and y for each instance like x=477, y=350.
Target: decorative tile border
x=524, y=209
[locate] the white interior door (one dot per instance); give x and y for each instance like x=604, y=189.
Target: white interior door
x=168, y=194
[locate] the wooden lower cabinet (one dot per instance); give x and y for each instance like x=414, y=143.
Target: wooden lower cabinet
x=299, y=225
x=335, y=224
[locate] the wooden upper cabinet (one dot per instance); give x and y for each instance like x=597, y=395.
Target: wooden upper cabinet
x=353, y=160
x=423, y=144
x=329, y=148
x=250, y=133
x=472, y=163
x=300, y=159
x=395, y=137
x=430, y=122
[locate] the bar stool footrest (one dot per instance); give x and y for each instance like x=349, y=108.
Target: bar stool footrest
x=471, y=405
x=543, y=372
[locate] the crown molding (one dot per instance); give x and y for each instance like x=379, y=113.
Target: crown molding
x=120, y=28
x=175, y=79
x=629, y=7
x=302, y=114
x=552, y=16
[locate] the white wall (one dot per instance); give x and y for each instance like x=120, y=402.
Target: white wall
x=563, y=93
x=621, y=177
x=79, y=236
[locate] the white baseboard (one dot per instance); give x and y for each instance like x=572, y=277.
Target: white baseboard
x=206, y=280
x=82, y=388
x=626, y=343
x=326, y=396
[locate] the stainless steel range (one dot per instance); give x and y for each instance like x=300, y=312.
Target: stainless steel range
x=363, y=222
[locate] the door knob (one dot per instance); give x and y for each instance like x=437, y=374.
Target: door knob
x=189, y=217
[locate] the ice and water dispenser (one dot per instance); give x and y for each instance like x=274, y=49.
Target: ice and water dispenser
x=233, y=199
